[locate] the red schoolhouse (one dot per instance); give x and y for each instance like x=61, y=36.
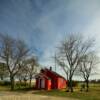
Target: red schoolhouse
x=48, y=79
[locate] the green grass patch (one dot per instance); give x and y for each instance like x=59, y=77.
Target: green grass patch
x=4, y=88
x=93, y=94
x=19, y=88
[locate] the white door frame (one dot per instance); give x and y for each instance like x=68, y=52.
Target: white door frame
x=42, y=83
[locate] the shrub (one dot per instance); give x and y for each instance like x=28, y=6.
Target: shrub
x=4, y=83
x=74, y=83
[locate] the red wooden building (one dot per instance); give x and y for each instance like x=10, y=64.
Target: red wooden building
x=48, y=79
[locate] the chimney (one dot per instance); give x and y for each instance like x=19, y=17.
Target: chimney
x=50, y=68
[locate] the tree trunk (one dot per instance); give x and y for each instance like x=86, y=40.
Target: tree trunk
x=30, y=82
x=2, y=77
x=12, y=82
x=25, y=81
x=20, y=83
x=87, y=85
x=70, y=85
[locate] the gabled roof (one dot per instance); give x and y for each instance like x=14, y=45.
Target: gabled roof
x=41, y=75
x=54, y=73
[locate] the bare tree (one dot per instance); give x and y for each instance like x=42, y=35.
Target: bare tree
x=32, y=65
x=22, y=74
x=28, y=69
x=12, y=51
x=86, y=67
x=72, y=49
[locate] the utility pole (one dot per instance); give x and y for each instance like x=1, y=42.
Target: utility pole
x=55, y=61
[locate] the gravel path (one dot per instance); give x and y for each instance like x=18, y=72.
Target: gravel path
x=29, y=96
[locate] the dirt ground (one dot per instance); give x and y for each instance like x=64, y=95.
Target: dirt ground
x=27, y=96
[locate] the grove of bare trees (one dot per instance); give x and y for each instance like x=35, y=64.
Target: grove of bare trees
x=14, y=52
x=76, y=52
x=28, y=70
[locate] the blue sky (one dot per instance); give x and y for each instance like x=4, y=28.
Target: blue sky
x=44, y=23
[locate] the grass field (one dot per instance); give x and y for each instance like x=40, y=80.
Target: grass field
x=93, y=94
